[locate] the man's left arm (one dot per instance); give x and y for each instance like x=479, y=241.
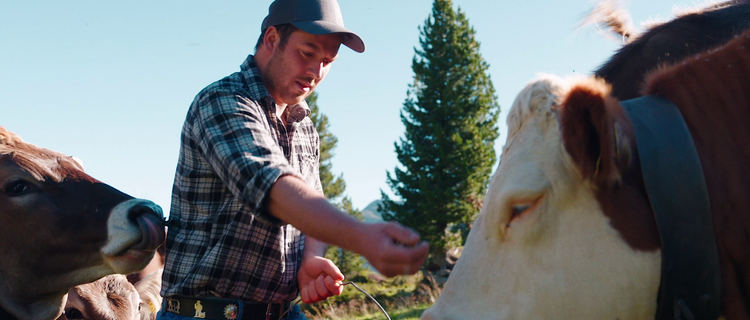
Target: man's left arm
x=318, y=277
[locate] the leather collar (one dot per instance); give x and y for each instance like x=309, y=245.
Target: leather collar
x=690, y=274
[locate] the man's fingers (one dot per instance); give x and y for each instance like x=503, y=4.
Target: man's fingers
x=405, y=260
x=402, y=235
x=312, y=291
x=320, y=285
x=334, y=286
x=304, y=295
x=415, y=255
x=332, y=270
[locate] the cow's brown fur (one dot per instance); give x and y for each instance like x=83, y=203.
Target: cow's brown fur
x=673, y=41
x=600, y=139
x=712, y=91
x=54, y=226
x=28, y=157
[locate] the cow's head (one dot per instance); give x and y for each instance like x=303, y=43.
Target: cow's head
x=566, y=231
x=60, y=227
x=115, y=298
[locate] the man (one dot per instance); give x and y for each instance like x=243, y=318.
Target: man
x=247, y=184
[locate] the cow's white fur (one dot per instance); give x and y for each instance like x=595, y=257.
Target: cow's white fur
x=560, y=260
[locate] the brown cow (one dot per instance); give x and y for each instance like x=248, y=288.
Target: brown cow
x=567, y=231
x=115, y=298
x=60, y=228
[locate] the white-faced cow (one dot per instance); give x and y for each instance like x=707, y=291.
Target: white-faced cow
x=567, y=230
x=60, y=228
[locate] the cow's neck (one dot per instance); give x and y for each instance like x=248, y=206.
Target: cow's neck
x=711, y=94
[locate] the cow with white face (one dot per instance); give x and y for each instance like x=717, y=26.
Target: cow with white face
x=542, y=248
x=59, y=228
x=567, y=230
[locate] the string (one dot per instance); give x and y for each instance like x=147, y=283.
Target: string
x=343, y=284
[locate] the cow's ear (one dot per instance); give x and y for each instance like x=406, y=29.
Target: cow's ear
x=148, y=290
x=596, y=132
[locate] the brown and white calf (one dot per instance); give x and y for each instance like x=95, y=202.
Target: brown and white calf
x=59, y=228
x=567, y=231
x=115, y=298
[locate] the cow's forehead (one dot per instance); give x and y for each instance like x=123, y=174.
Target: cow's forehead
x=541, y=95
x=43, y=164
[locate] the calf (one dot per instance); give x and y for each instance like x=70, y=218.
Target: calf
x=115, y=298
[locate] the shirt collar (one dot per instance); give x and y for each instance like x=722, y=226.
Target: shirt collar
x=296, y=113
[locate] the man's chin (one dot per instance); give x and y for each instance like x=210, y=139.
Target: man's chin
x=292, y=100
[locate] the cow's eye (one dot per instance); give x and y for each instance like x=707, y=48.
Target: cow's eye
x=73, y=313
x=518, y=209
x=16, y=188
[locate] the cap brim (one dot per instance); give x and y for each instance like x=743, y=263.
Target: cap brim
x=349, y=39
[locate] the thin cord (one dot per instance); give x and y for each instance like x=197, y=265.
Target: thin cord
x=343, y=284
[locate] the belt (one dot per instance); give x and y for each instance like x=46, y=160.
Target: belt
x=212, y=308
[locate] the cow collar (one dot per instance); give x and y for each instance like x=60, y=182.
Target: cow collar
x=676, y=187
x=6, y=315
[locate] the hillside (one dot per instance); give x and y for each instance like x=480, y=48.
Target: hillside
x=371, y=213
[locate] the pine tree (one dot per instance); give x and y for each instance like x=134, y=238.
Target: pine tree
x=333, y=187
x=447, y=154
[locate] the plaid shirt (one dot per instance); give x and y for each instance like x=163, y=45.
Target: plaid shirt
x=221, y=240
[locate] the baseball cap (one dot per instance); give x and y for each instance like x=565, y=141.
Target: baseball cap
x=314, y=17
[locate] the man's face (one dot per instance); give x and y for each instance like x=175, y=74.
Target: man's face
x=293, y=73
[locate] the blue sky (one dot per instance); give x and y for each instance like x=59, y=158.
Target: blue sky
x=110, y=81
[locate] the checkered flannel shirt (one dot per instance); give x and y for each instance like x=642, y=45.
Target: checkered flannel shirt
x=221, y=240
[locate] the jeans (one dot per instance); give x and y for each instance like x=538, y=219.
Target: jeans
x=294, y=314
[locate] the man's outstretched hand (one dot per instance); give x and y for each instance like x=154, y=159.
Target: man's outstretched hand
x=393, y=249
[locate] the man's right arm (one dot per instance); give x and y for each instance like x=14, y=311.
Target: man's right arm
x=389, y=247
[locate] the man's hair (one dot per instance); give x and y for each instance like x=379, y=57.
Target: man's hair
x=284, y=30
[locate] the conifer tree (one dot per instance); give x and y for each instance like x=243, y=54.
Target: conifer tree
x=333, y=187
x=450, y=117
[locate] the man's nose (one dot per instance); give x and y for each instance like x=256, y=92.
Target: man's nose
x=316, y=70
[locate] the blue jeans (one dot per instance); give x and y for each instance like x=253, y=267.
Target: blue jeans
x=294, y=314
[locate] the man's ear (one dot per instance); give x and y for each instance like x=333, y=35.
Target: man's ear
x=596, y=132
x=271, y=39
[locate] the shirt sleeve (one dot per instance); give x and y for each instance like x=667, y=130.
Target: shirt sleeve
x=235, y=140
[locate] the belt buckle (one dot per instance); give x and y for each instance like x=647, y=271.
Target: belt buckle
x=272, y=313
x=173, y=305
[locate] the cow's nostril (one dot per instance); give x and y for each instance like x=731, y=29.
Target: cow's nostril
x=151, y=224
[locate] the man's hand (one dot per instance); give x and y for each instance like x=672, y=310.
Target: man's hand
x=319, y=279
x=393, y=249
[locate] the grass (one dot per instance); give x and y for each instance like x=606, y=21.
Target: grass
x=407, y=313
